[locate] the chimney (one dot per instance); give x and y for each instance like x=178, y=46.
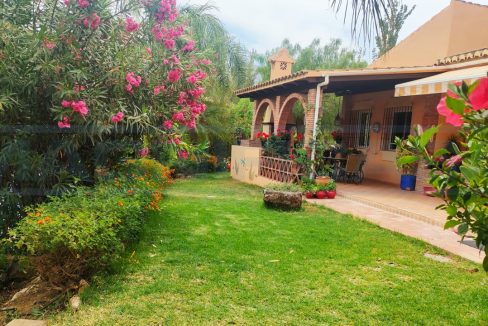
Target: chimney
x=281, y=64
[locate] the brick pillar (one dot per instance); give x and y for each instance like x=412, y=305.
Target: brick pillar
x=310, y=115
x=256, y=125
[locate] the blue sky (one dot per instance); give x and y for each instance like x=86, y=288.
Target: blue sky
x=263, y=24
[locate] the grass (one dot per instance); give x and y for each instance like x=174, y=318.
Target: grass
x=216, y=256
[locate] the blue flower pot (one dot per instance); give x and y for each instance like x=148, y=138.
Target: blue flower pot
x=408, y=182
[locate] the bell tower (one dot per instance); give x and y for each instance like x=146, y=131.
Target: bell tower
x=281, y=64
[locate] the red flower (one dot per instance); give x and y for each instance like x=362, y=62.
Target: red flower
x=479, y=96
x=292, y=156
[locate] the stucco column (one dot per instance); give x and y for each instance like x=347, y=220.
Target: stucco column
x=256, y=125
x=309, y=115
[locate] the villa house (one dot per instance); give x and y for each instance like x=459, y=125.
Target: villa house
x=397, y=92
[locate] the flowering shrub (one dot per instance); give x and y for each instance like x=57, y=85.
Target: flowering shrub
x=71, y=236
x=462, y=180
x=84, y=80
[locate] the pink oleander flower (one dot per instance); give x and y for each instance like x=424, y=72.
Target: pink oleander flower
x=149, y=51
x=183, y=155
x=92, y=21
x=131, y=25
x=191, y=124
x=179, y=116
x=158, y=89
x=190, y=46
x=83, y=4
x=157, y=33
x=174, y=75
x=66, y=104
x=66, y=2
x=169, y=44
x=78, y=88
x=168, y=124
x=182, y=97
x=197, y=92
x=80, y=107
x=176, y=140
x=129, y=88
x=175, y=60
x=192, y=79
x=48, y=44
x=118, y=117
x=479, y=96
x=64, y=124
x=165, y=62
x=144, y=152
x=206, y=62
x=133, y=80
x=167, y=11
x=453, y=161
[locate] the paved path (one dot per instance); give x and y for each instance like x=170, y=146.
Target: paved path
x=433, y=234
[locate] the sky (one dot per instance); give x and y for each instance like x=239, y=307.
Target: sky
x=263, y=24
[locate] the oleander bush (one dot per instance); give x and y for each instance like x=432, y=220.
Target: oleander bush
x=86, y=84
x=72, y=236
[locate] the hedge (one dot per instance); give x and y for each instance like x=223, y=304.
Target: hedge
x=71, y=237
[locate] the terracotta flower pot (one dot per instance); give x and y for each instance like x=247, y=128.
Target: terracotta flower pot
x=321, y=194
x=331, y=194
x=309, y=195
x=322, y=181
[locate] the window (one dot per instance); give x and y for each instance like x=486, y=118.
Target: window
x=397, y=124
x=361, y=121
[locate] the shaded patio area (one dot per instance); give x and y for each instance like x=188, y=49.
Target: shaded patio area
x=407, y=212
x=391, y=198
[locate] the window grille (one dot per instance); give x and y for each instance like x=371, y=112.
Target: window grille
x=360, y=128
x=397, y=123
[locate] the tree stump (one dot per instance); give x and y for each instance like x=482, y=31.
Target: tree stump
x=282, y=199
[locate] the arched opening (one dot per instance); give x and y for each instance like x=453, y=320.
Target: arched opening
x=264, y=118
x=292, y=116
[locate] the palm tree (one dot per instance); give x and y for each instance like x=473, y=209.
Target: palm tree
x=365, y=15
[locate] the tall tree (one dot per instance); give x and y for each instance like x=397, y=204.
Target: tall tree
x=332, y=55
x=390, y=25
x=365, y=15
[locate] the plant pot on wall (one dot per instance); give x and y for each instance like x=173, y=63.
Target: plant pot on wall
x=408, y=182
x=331, y=194
x=322, y=180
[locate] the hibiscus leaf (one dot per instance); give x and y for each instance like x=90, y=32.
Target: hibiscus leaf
x=457, y=106
x=472, y=87
x=427, y=136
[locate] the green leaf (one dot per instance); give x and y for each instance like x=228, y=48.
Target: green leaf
x=457, y=106
x=410, y=159
x=485, y=263
x=427, y=136
x=451, y=210
x=470, y=172
x=463, y=228
x=453, y=193
x=441, y=152
x=451, y=224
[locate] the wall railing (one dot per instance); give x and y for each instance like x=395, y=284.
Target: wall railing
x=279, y=169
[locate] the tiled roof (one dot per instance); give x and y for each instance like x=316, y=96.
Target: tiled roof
x=468, y=56
x=304, y=74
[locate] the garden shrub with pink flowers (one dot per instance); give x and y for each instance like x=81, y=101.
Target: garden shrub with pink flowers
x=70, y=237
x=462, y=180
x=85, y=84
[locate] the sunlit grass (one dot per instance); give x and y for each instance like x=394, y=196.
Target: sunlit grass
x=215, y=255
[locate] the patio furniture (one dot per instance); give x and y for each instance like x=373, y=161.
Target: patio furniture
x=352, y=172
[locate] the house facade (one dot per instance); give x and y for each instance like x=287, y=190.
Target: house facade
x=396, y=93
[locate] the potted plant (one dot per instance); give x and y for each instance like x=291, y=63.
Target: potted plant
x=323, y=174
x=285, y=196
x=308, y=186
x=321, y=191
x=331, y=189
x=407, y=163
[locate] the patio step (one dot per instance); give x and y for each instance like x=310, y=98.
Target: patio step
x=417, y=216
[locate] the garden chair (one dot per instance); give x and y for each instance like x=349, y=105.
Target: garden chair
x=353, y=170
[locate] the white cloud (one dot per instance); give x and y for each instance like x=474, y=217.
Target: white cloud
x=263, y=24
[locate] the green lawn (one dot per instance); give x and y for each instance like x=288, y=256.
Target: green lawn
x=216, y=256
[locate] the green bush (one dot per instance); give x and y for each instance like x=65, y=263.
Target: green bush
x=288, y=187
x=72, y=236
